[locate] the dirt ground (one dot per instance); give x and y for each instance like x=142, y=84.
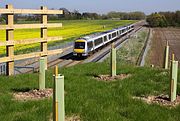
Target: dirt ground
x=160, y=37
x=109, y=78
x=162, y=100
x=33, y=95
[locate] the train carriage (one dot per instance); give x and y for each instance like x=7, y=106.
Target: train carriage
x=83, y=46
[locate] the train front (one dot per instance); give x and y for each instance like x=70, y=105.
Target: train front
x=80, y=48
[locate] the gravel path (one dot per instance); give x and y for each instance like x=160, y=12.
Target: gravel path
x=142, y=63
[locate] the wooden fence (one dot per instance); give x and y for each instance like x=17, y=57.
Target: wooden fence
x=9, y=11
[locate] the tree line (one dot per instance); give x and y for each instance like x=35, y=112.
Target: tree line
x=161, y=19
x=76, y=15
x=164, y=19
x=111, y=15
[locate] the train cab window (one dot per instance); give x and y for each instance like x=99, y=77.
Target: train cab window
x=79, y=45
x=105, y=38
x=98, y=41
x=114, y=35
x=110, y=36
x=90, y=45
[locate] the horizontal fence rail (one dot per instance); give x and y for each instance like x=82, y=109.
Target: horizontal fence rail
x=30, y=55
x=29, y=11
x=9, y=11
x=29, y=41
x=31, y=26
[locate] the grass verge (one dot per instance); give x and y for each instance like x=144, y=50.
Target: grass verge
x=90, y=99
x=130, y=50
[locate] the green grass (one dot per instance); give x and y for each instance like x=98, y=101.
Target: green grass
x=71, y=29
x=91, y=99
x=88, y=98
x=130, y=51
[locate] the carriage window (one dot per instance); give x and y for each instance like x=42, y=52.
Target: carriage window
x=90, y=45
x=98, y=41
x=114, y=35
x=110, y=36
x=79, y=45
x=105, y=38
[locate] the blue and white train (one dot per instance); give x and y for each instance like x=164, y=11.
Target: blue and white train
x=85, y=45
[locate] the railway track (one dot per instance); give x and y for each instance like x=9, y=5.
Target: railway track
x=104, y=52
x=67, y=60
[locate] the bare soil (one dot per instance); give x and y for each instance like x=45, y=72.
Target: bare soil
x=73, y=118
x=33, y=95
x=160, y=37
x=68, y=118
x=109, y=78
x=162, y=100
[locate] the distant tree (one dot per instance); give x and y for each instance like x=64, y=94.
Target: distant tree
x=104, y=16
x=95, y=16
x=177, y=16
x=137, y=15
x=170, y=17
x=76, y=15
x=157, y=20
x=87, y=15
x=113, y=14
x=65, y=15
x=126, y=16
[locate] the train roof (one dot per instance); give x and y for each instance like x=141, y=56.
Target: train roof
x=93, y=36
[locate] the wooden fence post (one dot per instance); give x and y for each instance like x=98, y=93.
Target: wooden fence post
x=113, y=60
x=173, y=79
x=10, y=37
x=58, y=97
x=44, y=45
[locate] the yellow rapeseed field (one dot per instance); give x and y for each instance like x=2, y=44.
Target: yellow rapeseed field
x=71, y=29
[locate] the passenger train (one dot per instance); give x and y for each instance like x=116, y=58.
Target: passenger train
x=85, y=45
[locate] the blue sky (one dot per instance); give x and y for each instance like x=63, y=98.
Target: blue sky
x=100, y=6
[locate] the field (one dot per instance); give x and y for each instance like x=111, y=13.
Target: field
x=71, y=29
x=92, y=99
x=89, y=98
x=160, y=37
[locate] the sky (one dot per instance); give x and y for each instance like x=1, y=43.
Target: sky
x=99, y=6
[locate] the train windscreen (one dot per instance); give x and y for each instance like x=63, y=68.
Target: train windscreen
x=79, y=45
